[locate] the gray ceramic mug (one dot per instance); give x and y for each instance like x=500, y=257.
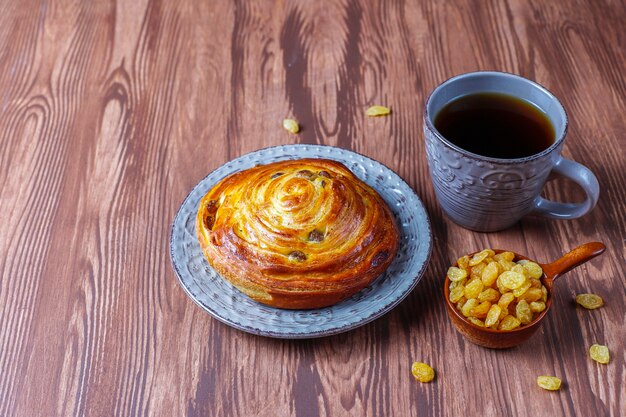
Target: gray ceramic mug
x=488, y=194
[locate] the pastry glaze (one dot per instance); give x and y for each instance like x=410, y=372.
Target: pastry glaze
x=296, y=234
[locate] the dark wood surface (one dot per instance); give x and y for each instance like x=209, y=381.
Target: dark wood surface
x=111, y=112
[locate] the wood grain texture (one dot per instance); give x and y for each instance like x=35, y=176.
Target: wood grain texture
x=111, y=111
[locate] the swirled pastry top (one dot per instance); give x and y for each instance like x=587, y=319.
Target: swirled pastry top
x=297, y=234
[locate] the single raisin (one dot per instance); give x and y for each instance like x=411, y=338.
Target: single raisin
x=463, y=262
x=209, y=221
x=468, y=306
x=291, y=125
x=375, y=111
x=457, y=293
x=481, y=256
x=481, y=310
x=316, y=236
x=456, y=274
x=211, y=206
x=297, y=256
x=512, y=280
x=490, y=274
x=305, y=173
x=509, y=323
x=477, y=322
x=507, y=256
x=490, y=295
x=523, y=312
x=493, y=316
x=550, y=383
x=379, y=258
x=600, y=353
x=422, y=372
x=473, y=288
x=534, y=270
x=589, y=301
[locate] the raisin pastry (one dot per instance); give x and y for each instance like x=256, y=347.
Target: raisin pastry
x=297, y=234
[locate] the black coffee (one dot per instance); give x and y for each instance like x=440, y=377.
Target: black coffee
x=495, y=125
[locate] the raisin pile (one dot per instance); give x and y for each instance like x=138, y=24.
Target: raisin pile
x=491, y=290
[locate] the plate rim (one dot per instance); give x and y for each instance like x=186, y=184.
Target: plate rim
x=314, y=333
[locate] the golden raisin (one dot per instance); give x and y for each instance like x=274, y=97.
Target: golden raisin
x=493, y=315
x=505, y=300
x=477, y=322
x=537, y=306
x=481, y=310
x=422, y=372
x=589, y=301
x=599, y=353
x=506, y=265
x=533, y=294
x=502, y=288
x=523, y=313
x=473, y=288
x=456, y=274
x=463, y=262
x=550, y=383
x=490, y=295
x=468, y=306
x=291, y=125
x=476, y=271
x=519, y=292
x=520, y=270
x=480, y=256
x=377, y=111
x=544, y=294
x=454, y=284
x=490, y=274
x=512, y=280
x=534, y=270
x=457, y=293
x=507, y=256
x=509, y=323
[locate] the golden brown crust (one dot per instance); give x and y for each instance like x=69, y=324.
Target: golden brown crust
x=297, y=234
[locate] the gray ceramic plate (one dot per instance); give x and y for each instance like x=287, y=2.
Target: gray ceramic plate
x=227, y=304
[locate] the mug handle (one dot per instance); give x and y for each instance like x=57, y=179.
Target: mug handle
x=582, y=176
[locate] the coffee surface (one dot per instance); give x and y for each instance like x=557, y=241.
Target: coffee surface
x=495, y=125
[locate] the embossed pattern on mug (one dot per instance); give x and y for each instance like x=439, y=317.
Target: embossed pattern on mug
x=475, y=192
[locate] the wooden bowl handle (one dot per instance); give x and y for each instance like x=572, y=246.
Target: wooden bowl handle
x=572, y=259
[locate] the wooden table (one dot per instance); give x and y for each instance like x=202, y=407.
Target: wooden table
x=111, y=112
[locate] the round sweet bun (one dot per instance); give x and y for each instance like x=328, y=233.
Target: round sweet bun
x=297, y=234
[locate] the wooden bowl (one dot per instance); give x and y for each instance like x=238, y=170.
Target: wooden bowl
x=502, y=339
